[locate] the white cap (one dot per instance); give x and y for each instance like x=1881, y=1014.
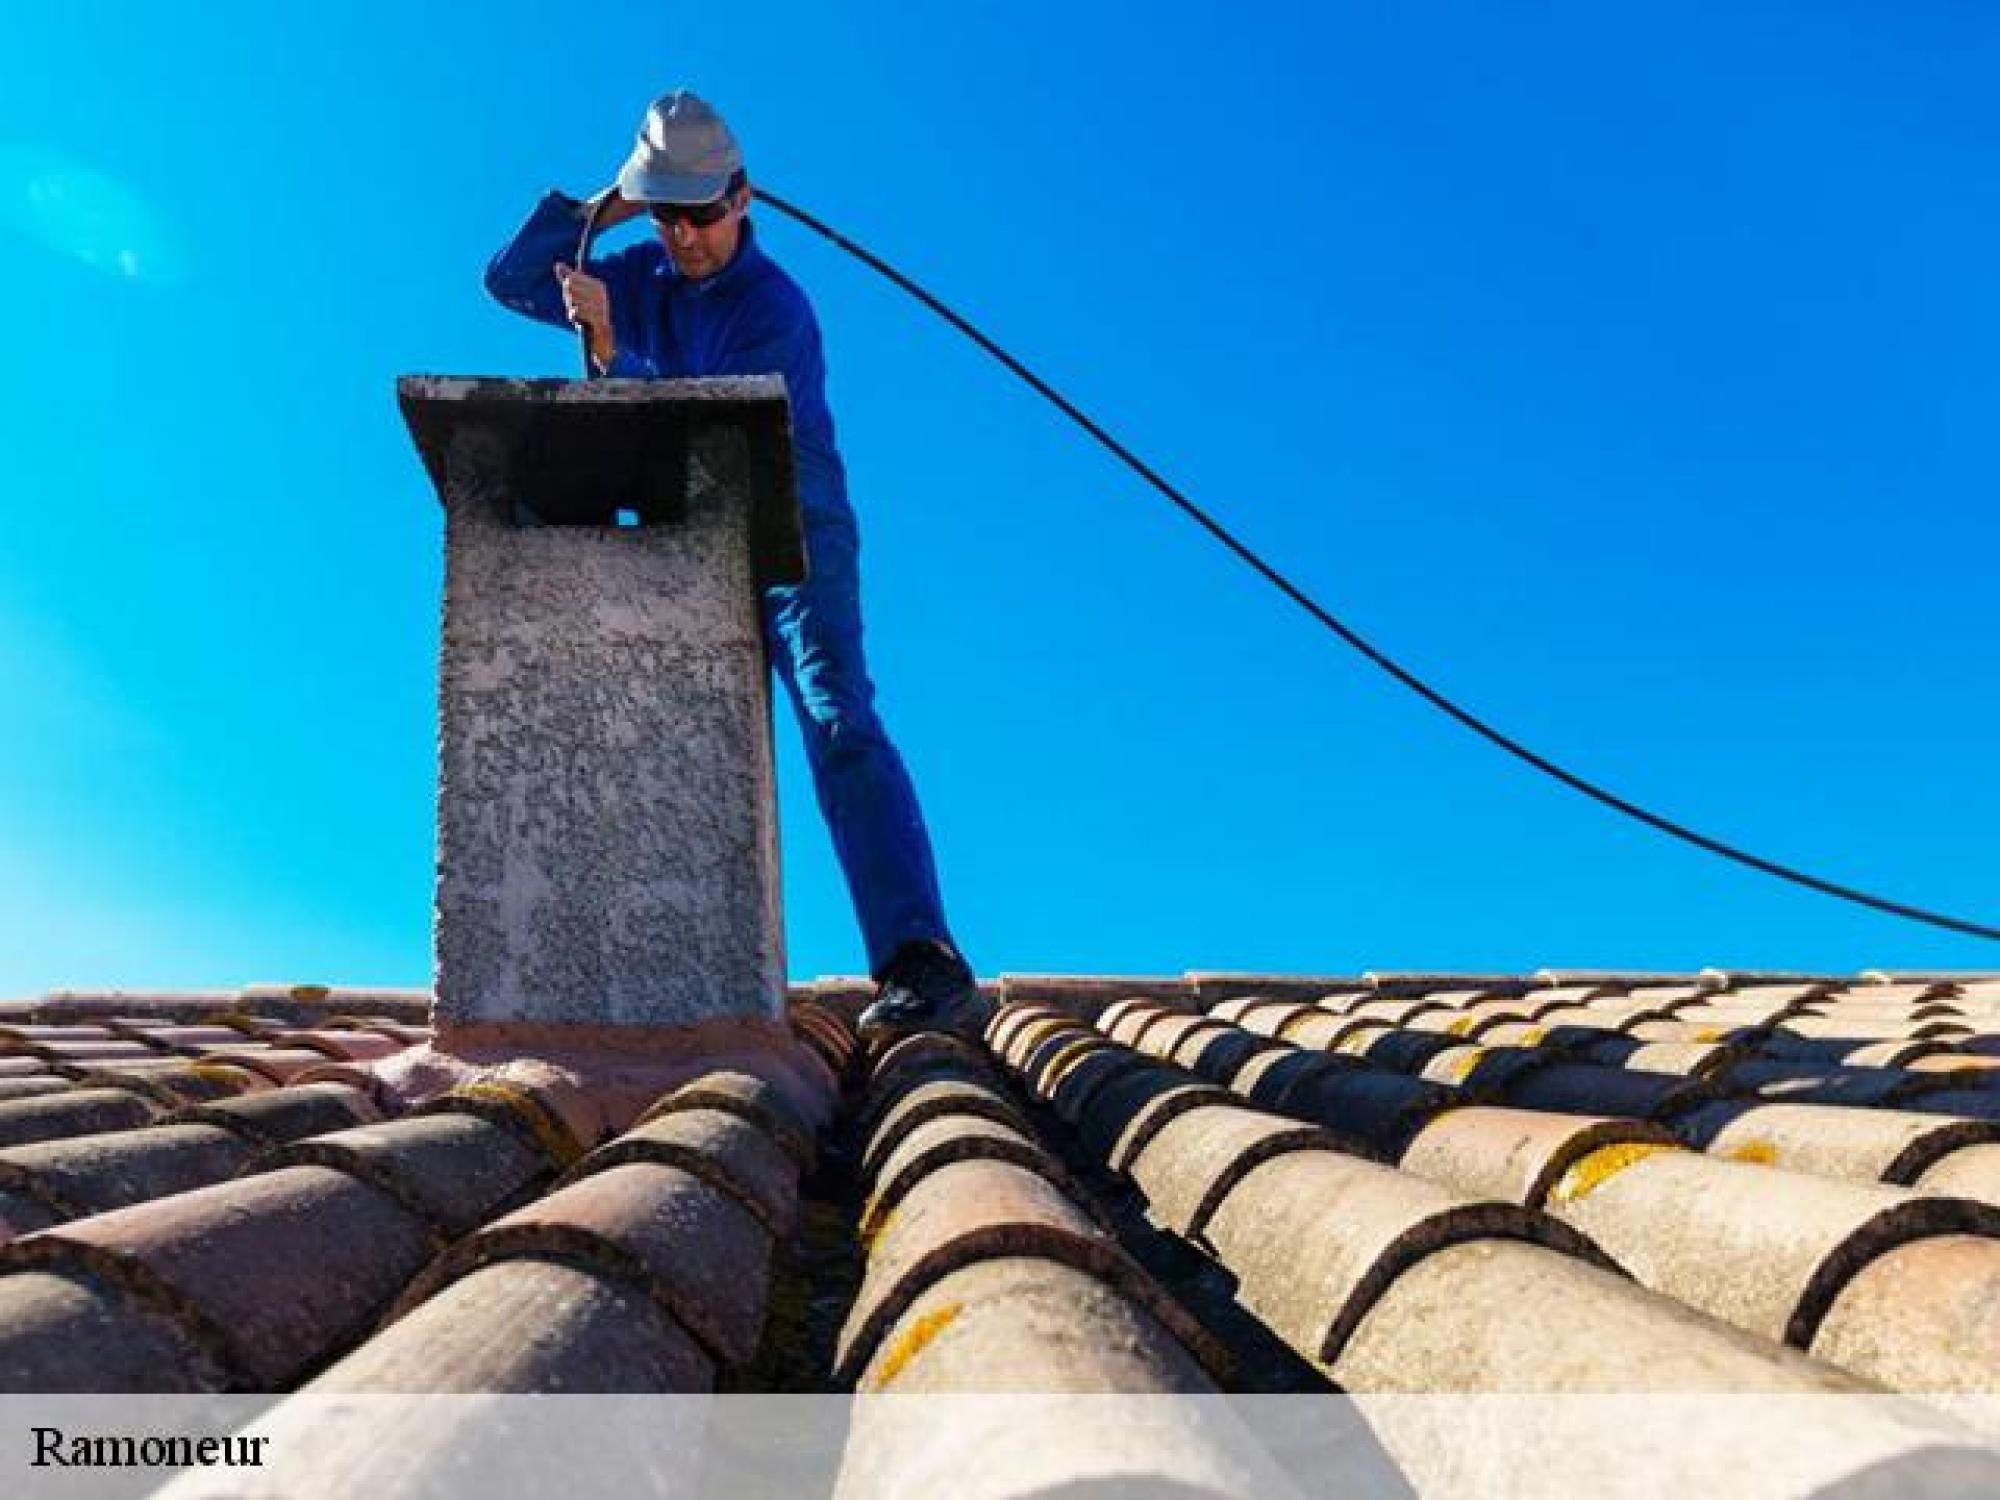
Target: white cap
x=685, y=153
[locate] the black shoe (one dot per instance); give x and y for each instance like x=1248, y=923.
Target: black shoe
x=926, y=987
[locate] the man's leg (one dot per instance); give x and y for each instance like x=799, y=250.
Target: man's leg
x=814, y=635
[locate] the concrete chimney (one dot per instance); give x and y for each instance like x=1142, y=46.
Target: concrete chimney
x=607, y=831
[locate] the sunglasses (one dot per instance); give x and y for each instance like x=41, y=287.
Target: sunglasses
x=700, y=215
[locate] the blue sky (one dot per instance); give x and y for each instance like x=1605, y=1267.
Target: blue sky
x=1627, y=370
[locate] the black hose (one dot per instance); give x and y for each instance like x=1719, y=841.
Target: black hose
x=1353, y=638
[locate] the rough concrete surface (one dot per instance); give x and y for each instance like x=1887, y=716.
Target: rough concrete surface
x=607, y=834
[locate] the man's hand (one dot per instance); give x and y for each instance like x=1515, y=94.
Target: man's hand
x=589, y=307
x=614, y=208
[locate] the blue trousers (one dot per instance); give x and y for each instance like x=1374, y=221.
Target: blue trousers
x=813, y=634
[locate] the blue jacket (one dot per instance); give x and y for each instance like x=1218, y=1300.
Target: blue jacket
x=749, y=318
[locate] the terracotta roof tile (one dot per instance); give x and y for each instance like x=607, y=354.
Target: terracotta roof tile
x=645, y=1270
x=655, y=1263
x=522, y=1327
x=451, y=1171
x=1517, y=1034
x=1268, y=1079
x=1875, y=1145
x=1684, y=1059
x=29, y=1037
x=1220, y=1055
x=1887, y=991
x=1389, y=1047
x=71, y=1333
x=1973, y=1066
x=934, y=1099
x=72, y=1112
x=1007, y=1022
x=1265, y=1017
x=1122, y=1019
x=1973, y=1103
x=1378, y=1110
x=1500, y=1316
x=1026, y=1323
x=1393, y=1012
x=1800, y=1081
x=1085, y=995
x=1261, y=1245
x=1763, y=1249
x=926, y=1054
x=1579, y=1088
x=971, y=1211
x=1325, y=1029
x=757, y=1100
x=1729, y=1015
x=1094, y=1065
x=1213, y=987
x=275, y=1116
x=355, y=1076
x=1053, y=1059
x=1966, y=1172
x=1476, y=1072
x=401, y=1031
x=1013, y=1031
x=342, y=1046
x=1047, y=1057
x=176, y=1083
x=1783, y=993
x=35, y=1087
x=695, y=1249
x=1574, y=987
x=279, y=1064
x=1189, y=1165
x=90, y=1174
x=524, y=1112
x=969, y=1188
x=1398, y=982
x=173, y=1038
x=239, y=1267
x=90, y=1054
x=1513, y=1154
x=1925, y=1316
x=723, y=1149
x=824, y=1031
x=1131, y=1109
x=940, y=1142
x=1170, y=1032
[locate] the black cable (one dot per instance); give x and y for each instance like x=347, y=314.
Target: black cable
x=1353, y=638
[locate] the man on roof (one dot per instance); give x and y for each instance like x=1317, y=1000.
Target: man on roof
x=701, y=298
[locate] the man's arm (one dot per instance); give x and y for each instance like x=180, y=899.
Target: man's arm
x=532, y=274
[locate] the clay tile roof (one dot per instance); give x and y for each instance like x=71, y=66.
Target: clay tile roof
x=1397, y=1182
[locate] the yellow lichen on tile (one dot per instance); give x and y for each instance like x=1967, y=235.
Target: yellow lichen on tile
x=228, y=1073
x=874, y=1230
x=548, y=1128
x=1591, y=1172
x=1460, y=1068
x=908, y=1344
x=1757, y=1153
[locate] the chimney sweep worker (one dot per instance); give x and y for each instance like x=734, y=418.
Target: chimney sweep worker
x=701, y=298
